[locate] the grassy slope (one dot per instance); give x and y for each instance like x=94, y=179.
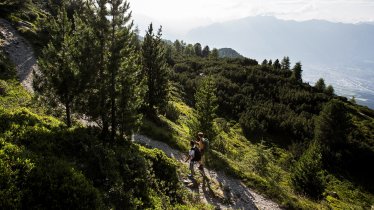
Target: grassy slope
x=46, y=165
x=265, y=168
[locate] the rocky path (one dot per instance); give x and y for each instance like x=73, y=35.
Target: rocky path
x=232, y=193
x=20, y=52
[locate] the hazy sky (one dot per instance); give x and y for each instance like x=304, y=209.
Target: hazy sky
x=179, y=16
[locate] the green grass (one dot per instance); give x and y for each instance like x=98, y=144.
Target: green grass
x=264, y=168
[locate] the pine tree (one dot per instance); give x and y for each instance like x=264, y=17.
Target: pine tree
x=330, y=90
x=285, y=64
x=98, y=102
x=156, y=72
x=131, y=89
x=115, y=94
x=214, y=54
x=277, y=65
x=197, y=49
x=59, y=76
x=331, y=130
x=86, y=57
x=178, y=46
x=206, y=106
x=308, y=175
x=320, y=85
x=206, y=51
x=296, y=72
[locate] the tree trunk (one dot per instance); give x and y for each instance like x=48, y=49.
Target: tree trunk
x=68, y=117
x=113, y=88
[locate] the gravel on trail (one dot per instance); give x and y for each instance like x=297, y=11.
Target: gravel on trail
x=236, y=194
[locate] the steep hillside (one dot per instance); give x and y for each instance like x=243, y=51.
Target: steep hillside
x=267, y=122
x=270, y=133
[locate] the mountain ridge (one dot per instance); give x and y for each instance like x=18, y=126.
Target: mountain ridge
x=337, y=52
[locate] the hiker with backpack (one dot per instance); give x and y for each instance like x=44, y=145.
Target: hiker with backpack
x=203, y=146
x=194, y=155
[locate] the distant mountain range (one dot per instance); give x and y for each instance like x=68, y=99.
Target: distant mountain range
x=341, y=53
x=314, y=41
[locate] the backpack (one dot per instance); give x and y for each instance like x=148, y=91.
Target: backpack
x=197, y=156
x=206, y=144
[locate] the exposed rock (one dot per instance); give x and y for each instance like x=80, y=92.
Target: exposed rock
x=20, y=53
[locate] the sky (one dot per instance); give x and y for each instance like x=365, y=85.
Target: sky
x=179, y=16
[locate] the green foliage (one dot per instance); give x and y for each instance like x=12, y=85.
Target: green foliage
x=48, y=166
x=156, y=72
x=296, y=72
x=165, y=172
x=13, y=94
x=330, y=90
x=331, y=131
x=9, y=6
x=198, y=49
x=15, y=169
x=206, y=106
x=320, y=85
x=277, y=65
x=7, y=69
x=285, y=64
x=308, y=175
x=59, y=74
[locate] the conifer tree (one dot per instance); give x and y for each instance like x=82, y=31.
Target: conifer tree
x=285, y=64
x=320, y=85
x=276, y=65
x=98, y=100
x=178, y=46
x=214, y=54
x=197, y=49
x=308, y=175
x=59, y=76
x=115, y=94
x=156, y=72
x=206, y=106
x=331, y=130
x=330, y=90
x=296, y=72
x=86, y=57
x=206, y=51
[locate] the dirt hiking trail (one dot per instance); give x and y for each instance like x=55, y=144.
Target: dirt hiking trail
x=231, y=192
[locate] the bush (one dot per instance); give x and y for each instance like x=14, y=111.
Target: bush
x=165, y=171
x=54, y=184
x=308, y=176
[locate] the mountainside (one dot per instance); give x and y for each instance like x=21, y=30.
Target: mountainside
x=101, y=100
x=228, y=53
x=341, y=53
